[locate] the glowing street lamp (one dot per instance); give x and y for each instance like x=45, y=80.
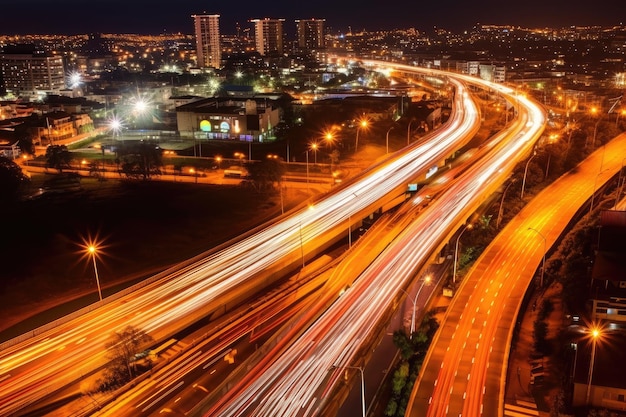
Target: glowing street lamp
x=362, y=125
x=314, y=147
x=115, y=125
x=595, y=333
x=329, y=137
x=140, y=106
x=594, y=112
x=92, y=251
x=425, y=281
x=74, y=80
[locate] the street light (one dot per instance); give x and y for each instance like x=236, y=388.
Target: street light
x=307, y=171
x=92, y=250
x=387, y=138
x=426, y=280
x=456, y=251
x=593, y=194
x=115, y=125
x=408, y=133
x=595, y=333
x=362, y=124
x=499, y=219
x=594, y=111
x=543, y=262
x=521, y=197
x=314, y=147
x=329, y=137
x=362, y=382
x=350, y=225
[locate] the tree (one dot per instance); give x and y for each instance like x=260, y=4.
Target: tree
x=58, y=157
x=12, y=179
x=140, y=159
x=265, y=174
x=122, y=350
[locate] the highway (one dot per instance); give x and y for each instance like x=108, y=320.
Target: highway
x=468, y=359
x=298, y=377
x=42, y=362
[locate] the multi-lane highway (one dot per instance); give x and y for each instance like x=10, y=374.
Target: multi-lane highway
x=211, y=284
x=465, y=373
x=298, y=377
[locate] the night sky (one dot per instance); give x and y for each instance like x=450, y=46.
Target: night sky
x=158, y=16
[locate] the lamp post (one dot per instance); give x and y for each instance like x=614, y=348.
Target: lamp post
x=350, y=225
x=543, y=262
x=362, y=382
x=362, y=124
x=595, y=132
x=593, y=194
x=521, y=197
x=408, y=133
x=594, y=111
x=595, y=335
x=307, y=170
x=499, y=219
x=456, y=251
x=92, y=252
x=387, y=138
x=314, y=148
x=426, y=280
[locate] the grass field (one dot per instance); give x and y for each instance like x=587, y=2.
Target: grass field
x=141, y=226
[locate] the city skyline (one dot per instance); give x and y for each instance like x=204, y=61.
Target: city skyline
x=144, y=17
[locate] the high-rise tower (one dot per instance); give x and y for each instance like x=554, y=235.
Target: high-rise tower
x=208, y=44
x=310, y=34
x=269, y=36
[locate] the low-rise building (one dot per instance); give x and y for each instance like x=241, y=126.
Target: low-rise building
x=246, y=119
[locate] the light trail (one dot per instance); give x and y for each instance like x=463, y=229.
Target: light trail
x=289, y=383
x=38, y=366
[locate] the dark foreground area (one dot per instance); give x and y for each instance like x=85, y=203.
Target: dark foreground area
x=140, y=227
